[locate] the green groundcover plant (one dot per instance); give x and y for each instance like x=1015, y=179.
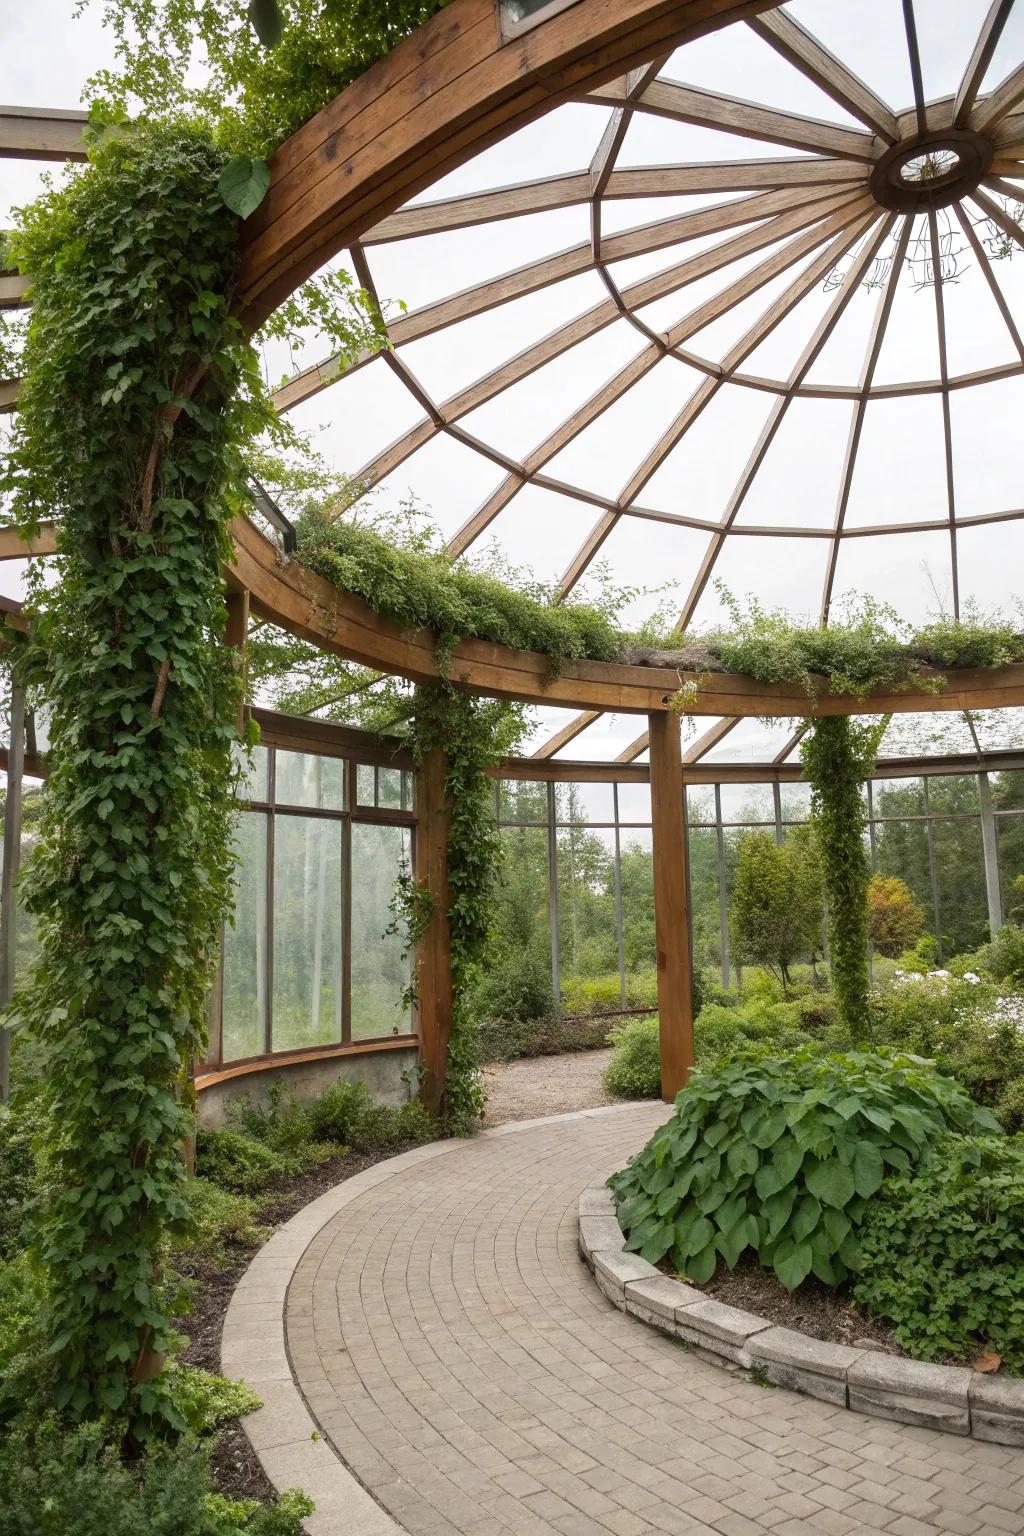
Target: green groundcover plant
x=943, y=1252
x=780, y=1156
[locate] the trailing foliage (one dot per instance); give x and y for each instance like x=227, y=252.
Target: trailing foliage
x=942, y=1252
x=421, y=587
x=864, y=648
x=838, y=757
x=782, y=1156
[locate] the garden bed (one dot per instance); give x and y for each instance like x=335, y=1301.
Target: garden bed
x=864, y=1378
x=236, y=1469
x=812, y=1308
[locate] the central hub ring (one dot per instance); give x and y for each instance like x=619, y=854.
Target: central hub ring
x=930, y=170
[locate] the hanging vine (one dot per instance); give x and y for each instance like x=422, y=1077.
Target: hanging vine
x=138, y=387
x=838, y=756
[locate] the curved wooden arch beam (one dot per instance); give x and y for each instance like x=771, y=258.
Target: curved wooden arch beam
x=306, y=605
x=446, y=92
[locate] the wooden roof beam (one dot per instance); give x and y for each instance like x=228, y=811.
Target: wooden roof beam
x=730, y=114
x=981, y=58
x=39, y=133
x=799, y=48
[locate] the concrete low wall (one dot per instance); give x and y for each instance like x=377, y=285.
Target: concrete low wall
x=306, y=1078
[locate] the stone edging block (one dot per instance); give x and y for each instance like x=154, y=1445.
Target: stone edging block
x=947, y=1397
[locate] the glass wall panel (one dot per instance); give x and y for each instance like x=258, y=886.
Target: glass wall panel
x=244, y=1006
x=366, y=785
x=255, y=782
x=523, y=800
x=705, y=913
x=960, y=878
x=700, y=805
x=901, y=848
x=747, y=803
x=953, y=794
x=898, y=797
x=585, y=802
x=307, y=998
x=522, y=905
x=588, y=948
x=1010, y=842
x=316, y=782
x=639, y=950
x=380, y=970
x=389, y=788
x=635, y=803
x=795, y=801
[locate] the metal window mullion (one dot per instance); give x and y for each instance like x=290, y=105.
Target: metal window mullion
x=268, y=1016
x=777, y=803
x=933, y=881
x=620, y=948
x=556, y=983
x=990, y=849
x=723, y=899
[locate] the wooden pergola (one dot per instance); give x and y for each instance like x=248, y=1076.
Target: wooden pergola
x=837, y=199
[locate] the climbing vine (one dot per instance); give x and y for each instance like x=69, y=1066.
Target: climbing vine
x=475, y=735
x=138, y=388
x=838, y=757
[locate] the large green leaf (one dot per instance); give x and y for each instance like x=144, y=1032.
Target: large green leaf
x=243, y=184
x=731, y=1244
x=768, y=1180
x=701, y=1266
x=769, y=1128
x=832, y=1182
x=793, y=1264
x=787, y=1157
x=698, y=1235
x=777, y=1209
x=806, y=1217
x=742, y=1158
x=868, y=1169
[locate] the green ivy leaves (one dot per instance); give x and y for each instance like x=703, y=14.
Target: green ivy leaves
x=243, y=184
x=781, y=1157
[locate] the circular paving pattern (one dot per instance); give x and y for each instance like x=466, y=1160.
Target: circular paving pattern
x=455, y=1353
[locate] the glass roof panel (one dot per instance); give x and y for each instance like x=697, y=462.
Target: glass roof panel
x=735, y=62
x=868, y=37
x=798, y=483
x=899, y=475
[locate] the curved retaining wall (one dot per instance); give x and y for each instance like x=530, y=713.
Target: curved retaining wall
x=948, y=1397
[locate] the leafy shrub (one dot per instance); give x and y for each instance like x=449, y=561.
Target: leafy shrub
x=718, y=1030
x=942, y=1252
x=348, y=1115
x=895, y=919
x=204, y=1401
x=516, y=987
x=781, y=1156
x=603, y=994
x=634, y=1071
x=1010, y=1106
x=1003, y=958
x=219, y=1221
x=775, y=912
x=75, y=1485
x=238, y=1162
x=345, y=1114
x=973, y=1029
x=504, y=1040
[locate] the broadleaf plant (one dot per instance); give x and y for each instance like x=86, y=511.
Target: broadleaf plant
x=779, y=1157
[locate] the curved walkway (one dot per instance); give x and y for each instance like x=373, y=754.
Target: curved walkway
x=454, y=1352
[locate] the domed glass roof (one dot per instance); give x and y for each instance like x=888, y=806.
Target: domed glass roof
x=747, y=320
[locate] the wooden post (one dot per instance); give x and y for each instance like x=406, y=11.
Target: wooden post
x=671, y=916
x=12, y=858
x=433, y=960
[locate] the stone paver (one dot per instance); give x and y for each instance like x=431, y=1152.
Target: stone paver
x=454, y=1351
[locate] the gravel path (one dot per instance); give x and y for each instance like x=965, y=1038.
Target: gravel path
x=545, y=1085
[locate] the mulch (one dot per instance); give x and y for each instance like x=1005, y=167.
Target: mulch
x=236, y=1469
x=812, y=1308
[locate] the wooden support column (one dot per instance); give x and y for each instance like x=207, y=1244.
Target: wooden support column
x=671, y=915
x=12, y=858
x=433, y=959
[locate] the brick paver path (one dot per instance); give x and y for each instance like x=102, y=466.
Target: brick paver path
x=460, y=1359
